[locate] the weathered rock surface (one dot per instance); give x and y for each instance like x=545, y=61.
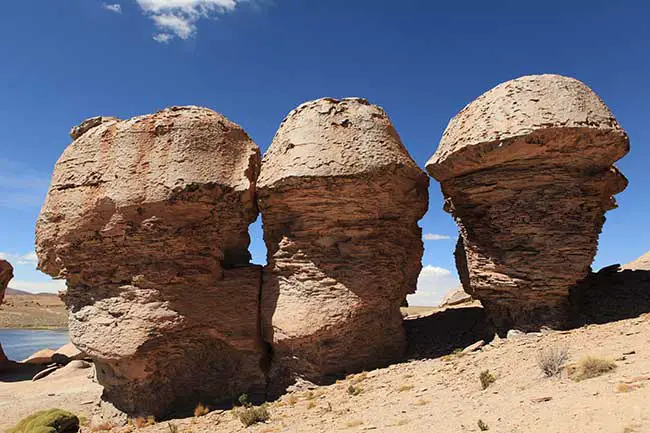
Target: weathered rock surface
x=340, y=199
x=147, y=220
x=6, y=274
x=526, y=170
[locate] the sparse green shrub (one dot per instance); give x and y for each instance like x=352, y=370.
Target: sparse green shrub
x=589, y=367
x=48, y=421
x=243, y=400
x=551, y=360
x=253, y=414
x=354, y=390
x=482, y=425
x=487, y=379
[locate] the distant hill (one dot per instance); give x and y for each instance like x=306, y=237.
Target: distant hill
x=16, y=292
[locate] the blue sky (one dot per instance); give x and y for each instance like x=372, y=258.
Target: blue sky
x=253, y=61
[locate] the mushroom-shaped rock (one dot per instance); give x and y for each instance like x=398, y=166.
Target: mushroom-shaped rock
x=6, y=274
x=147, y=220
x=526, y=170
x=340, y=199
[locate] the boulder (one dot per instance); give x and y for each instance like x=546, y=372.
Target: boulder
x=340, y=199
x=6, y=274
x=67, y=353
x=456, y=296
x=43, y=356
x=147, y=220
x=526, y=170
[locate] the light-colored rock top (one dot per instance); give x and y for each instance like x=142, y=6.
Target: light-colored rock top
x=144, y=158
x=155, y=158
x=640, y=264
x=520, y=107
x=331, y=137
x=6, y=274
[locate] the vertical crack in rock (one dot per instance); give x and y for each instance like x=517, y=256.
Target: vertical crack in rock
x=526, y=170
x=147, y=220
x=6, y=274
x=340, y=199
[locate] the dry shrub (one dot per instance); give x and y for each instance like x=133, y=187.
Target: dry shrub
x=405, y=388
x=422, y=402
x=482, y=425
x=201, y=410
x=253, y=414
x=311, y=405
x=486, y=379
x=552, y=359
x=589, y=367
x=627, y=387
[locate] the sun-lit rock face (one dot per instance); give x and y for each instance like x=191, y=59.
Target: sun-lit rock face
x=340, y=199
x=527, y=171
x=6, y=274
x=147, y=220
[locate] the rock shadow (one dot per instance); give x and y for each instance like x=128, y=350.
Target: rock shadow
x=609, y=295
x=444, y=331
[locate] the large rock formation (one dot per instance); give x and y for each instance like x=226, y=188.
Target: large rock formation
x=6, y=274
x=340, y=199
x=526, y=170
x=147, y=220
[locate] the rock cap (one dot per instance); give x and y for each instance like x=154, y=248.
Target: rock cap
x=504, y=125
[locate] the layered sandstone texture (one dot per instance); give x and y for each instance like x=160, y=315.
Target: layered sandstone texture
x=340, y=199
x=6, y=274
x=527, y=171
x=147, y=220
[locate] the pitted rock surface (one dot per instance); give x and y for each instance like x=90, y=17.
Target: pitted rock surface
x=340, y=199
x=6, y=274
x=147, y=220
x=526, y=170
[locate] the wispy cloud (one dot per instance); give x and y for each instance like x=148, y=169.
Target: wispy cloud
x=435, y=237
x=28, y=259
x=178, y=18
x=20, y=186
x=433, y=283
x=117, y=8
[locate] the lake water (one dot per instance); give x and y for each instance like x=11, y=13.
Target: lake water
x=18, y=344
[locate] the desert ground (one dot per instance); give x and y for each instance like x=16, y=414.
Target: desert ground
x=443, y=394
x=25, y=310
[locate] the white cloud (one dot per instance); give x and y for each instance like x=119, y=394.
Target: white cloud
x=28, y=259
x=52, y=286
x=433, y=283
x=435, y=237
x=163, y=38
x=117, y=8
x=178, y=18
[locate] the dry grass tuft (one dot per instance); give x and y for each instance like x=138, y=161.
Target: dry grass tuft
x=405, y=388
x=552, y=359
x=354, y=423
x=253, y=414
x=627, y=387
x=422, y=402
x=200, y=410
x=486, y=379
x=292, y=399
x=311, y=405
x=590, y=367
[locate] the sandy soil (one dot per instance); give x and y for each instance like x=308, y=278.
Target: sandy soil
x=433, y=395
x=33, y=311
